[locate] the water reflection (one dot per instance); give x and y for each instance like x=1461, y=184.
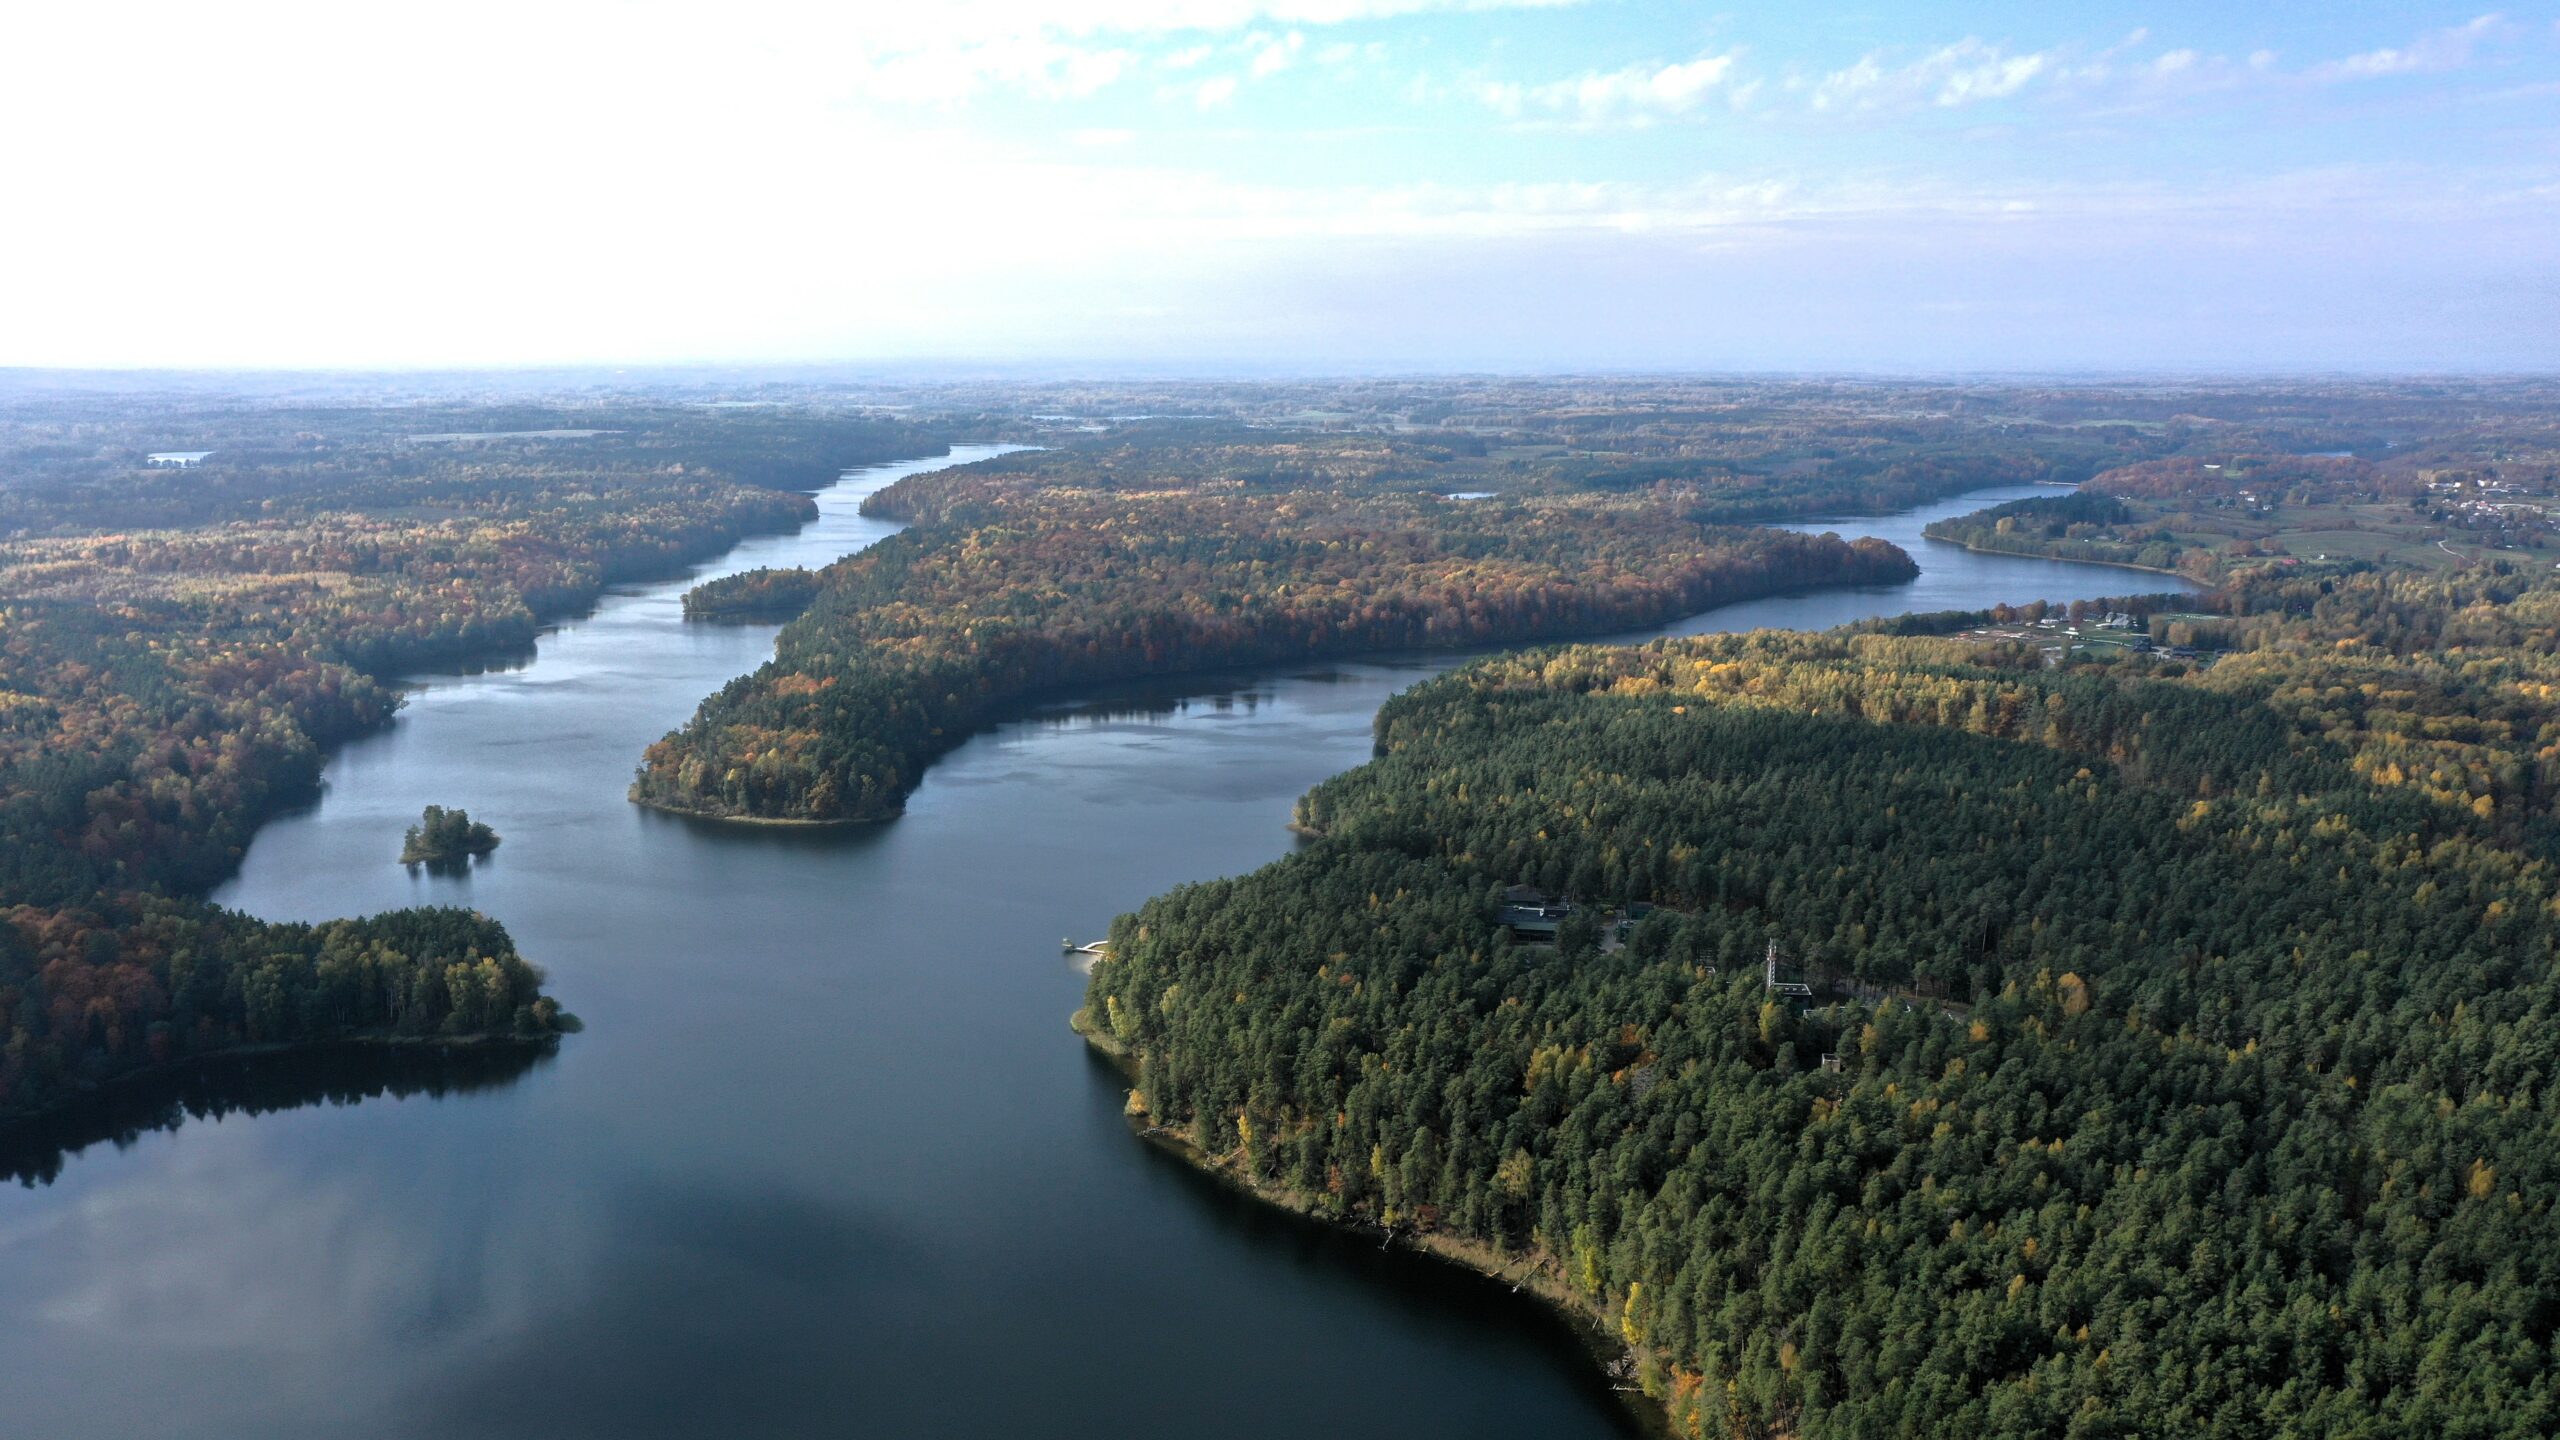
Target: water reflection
x=827, y=1159
x=759, y=1276
x=34, y=1152
x=1195, y=696
x=1333, y=1254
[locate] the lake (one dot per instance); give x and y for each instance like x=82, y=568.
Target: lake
x=827, y=1161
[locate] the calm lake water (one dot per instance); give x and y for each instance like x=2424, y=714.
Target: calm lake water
x=827, y=1161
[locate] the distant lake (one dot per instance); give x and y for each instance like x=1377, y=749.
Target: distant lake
x=827, y=1161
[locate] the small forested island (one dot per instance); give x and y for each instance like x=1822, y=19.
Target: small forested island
x=179, y=645
x=764, y=594
x=2123, y=1018
x=1943, y=1040
x=445, y=838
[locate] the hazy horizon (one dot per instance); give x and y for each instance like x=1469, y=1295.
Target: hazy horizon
x=1288, y=188
x=929, y=371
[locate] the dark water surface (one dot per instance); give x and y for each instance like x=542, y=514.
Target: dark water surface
x=827, y=1161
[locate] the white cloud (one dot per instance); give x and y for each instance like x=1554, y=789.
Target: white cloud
x=1635, y=93
x=1672, y=88
x=620, y=139
x=1507, y=97
x=1276, y=55
x=2114, y=80
x=2447, y=49
x=1964, y=73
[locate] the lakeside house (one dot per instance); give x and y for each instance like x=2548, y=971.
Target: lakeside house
x=1534, y=918
x=1535, y=923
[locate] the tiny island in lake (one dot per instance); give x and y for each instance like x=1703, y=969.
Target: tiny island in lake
x=2047, y=1007
x=446, y=838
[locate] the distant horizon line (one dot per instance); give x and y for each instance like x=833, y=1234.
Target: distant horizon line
x=1089, y=369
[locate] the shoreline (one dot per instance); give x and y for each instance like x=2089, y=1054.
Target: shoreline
x=568, y=607
x=15, y=1125
x=1016, y=707
x=1592, y=1324
x=552, y=613
x=784, y=822
x=1972, y=549
x=547, y=612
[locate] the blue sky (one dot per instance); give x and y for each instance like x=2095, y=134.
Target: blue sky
x=1296, y=184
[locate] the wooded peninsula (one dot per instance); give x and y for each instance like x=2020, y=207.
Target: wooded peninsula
x=180, y=644
x=1036, y=572
x=2125, y=1018
x=1937, y=1033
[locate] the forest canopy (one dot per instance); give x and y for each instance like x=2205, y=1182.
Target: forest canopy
x=2177, y=1054
x=1074, y=566
x=445, y=837
x=179, y=646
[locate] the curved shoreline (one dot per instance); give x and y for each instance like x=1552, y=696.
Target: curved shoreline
x=546, y=613
x=1591, y=1324
x=655, y=874
x=999, y=709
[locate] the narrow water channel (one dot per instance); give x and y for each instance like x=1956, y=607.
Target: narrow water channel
x=827, y=1161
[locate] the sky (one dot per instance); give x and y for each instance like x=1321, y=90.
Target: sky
x=1291, y=185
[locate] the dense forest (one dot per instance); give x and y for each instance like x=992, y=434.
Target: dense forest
x=1718, y=473
x=2180, y=1049
x=178, y=645
x=1069, y=567
x=759, y=594
x=1223, y=538
x=2030, y=526
x=2166, y=1043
